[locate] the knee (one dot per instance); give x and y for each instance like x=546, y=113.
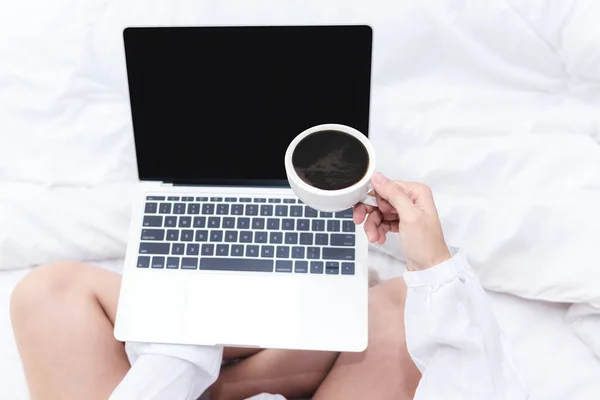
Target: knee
x=386, y=314
x=45, y=285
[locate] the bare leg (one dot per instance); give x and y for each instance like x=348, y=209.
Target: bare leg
x=62, y=315
x=384, y=371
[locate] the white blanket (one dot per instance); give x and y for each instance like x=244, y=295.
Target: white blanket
x=494, y=104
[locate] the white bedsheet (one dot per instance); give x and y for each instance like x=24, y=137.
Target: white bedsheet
x=494, y=104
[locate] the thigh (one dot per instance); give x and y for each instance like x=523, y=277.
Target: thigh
x=62, y=316
x=385, y=370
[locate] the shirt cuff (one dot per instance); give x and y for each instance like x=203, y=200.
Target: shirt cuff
x=441, y=273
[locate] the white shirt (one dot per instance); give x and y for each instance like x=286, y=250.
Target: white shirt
x=451, y=334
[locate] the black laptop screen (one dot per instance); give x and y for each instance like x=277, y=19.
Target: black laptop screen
x=219, y=105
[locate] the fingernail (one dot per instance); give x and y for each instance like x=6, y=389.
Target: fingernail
x=370, y=236
x=379, y=178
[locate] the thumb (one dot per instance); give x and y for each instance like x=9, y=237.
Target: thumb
x=394, y=194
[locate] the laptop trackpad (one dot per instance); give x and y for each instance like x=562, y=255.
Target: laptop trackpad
x=239, y=310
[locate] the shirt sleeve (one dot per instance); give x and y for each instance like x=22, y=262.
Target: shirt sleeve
x=454, y=339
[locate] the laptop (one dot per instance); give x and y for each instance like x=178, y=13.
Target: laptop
x=220, y=250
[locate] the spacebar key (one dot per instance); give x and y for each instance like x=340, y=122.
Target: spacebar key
x=236, y=264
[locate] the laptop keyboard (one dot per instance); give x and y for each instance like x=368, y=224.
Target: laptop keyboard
x=245, y=234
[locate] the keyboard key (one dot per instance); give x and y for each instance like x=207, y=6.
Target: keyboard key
x=245, y=200
x=231, y=236
x=193, y=208
x=332, y=268
x=222, y=209
x=237, y=250
x=222, y=250
x=151, y=220
x=235, y=264
x=155, y=198
x=310, y=212
x=237, y=209
x=260, y=237
x=344, y=214
x=281, y=211
x=230, y=199
x=342, y=240
x=321, y=239
x=158, y=262
x=252, y=250
x=185, y=222
x=297, y=252
x=202, y=198
x=291, y=238
x=261, y=200
x=189, y=263
x=348, y=226
x=318, y=225
x=228, y=222
x=187, y=198
x=208, y=209
x=267, y=251
x=316, y=267
x=283, y=266
x=251, y=209
x=173, y=198
x=306, y=238
x=258, y=223
x=177, y=248
x=208, y=249
x=179, y=208
x=150, y=208
x=347, y=268
x=333, y=225
x=143, y=261
x=243, y=223
x=154, y=248
x=216, y=236
x=283, y=252
x=266, y=210
x=287, y=224
x=289, y=201
x=201, y=235
x=192, y=249
x=272, y=223
x=276, y=237
x=172, y=263
x=172, y=234
x=216, y=199
x=313, y=253
x=295, y=211
x=270, y=200
x=303, y=225
x=164, y=208
x=170, y=222
x=338, y=253
x=214, y=222
x=153, y=234
x=199, y=222
x=245, y=237
x=326, y=214
x=300, y=201
x=301, y=267
x=187, y=235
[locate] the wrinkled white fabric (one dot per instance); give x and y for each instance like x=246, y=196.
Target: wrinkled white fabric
x=451, y=333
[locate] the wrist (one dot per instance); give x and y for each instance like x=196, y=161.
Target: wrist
x=430, y=262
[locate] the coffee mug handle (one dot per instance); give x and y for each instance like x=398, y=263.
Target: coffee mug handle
x=368, y=199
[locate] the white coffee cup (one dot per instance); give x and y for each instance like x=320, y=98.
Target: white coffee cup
x=331, y=200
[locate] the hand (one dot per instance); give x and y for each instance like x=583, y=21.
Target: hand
x=406, y=208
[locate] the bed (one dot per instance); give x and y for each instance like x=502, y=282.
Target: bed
x=494, y=104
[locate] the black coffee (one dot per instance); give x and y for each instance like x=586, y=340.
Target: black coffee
x=330, y=160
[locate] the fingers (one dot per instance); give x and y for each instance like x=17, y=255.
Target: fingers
x=372, y=225
x=394, y=194
x=360, y=212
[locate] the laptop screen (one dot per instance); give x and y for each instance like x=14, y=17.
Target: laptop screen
x=219, y=105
